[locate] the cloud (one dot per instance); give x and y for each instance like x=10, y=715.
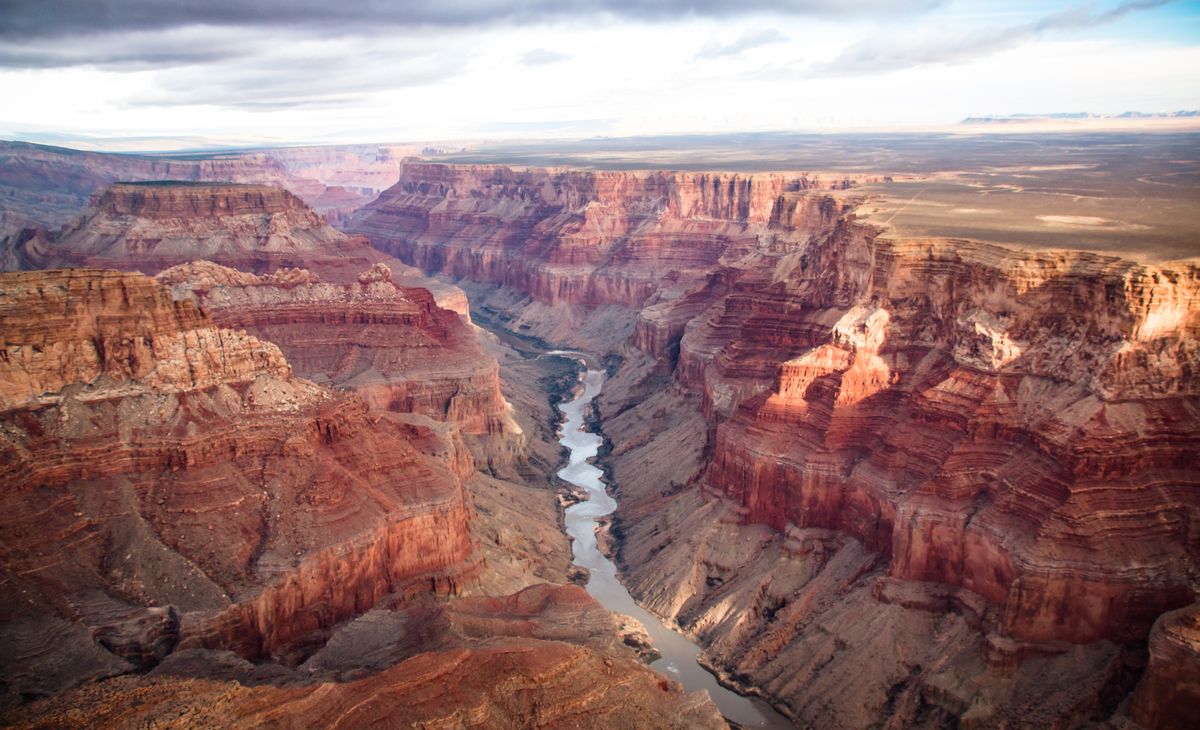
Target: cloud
x=134, y=50
x=542, y=57
x=893, y=52
x=24, y=19
x=308, y=75
x=749, y=40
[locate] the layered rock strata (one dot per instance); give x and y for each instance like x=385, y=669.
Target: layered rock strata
x=991, y=448
x=391, y=344
x=171, y=483
x=45, y=187
x=570, y=239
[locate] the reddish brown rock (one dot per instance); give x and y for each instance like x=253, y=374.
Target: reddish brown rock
x=545, y=657
x=1015, y=430
x=1169, y=693
x=151, y=458
x=390, y=343
x=577, y=238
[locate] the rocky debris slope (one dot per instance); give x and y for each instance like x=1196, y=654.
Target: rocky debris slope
x=545, y=657
x=968, y=469
x=391, y=344
x=168, y=483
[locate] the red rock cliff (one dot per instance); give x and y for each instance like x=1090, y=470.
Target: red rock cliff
x=1019, y=429
x=392, y=344
x=576, y=237
x=151, y=458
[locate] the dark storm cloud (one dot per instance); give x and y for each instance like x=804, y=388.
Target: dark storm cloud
x=131, y=50
x=25, y=19
x=890, y=53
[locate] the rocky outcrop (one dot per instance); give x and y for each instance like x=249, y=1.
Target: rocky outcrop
x=45, y=187
x=572, y=237
x=151, y=226
x=545, y=657
x=915, y=429
x=153, y=459
x=391, y=344
x=1008, y=423
x=1169, y=693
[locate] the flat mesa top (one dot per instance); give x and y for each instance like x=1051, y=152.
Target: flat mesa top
x=1134, y=194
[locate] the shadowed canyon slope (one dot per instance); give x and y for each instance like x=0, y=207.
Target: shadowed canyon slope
x=884, y=479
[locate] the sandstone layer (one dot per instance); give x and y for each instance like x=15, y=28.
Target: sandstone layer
x=822, y=432
x=169, y=483
x=391, y=344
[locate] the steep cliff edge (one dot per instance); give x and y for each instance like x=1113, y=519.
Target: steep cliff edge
x=574, y=242
x=169, y=482
x=391, y=344
x=967, y=468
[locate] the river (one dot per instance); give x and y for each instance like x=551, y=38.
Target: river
x=678, y=652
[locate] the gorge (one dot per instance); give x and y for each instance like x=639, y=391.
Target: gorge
x=259, y=470
x=989, y=448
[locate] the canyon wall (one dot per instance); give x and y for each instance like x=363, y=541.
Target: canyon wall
x=391, y=344
x=45, y=187
x=185, y=503
x=924, y=428
x=152, y=458
x=582, y=238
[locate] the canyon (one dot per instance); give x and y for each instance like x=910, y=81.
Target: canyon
x=259, y=470
x=191, y=512
x=883, y=479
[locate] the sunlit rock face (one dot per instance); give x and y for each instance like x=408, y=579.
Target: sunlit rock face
x=153, y=459
x=390, y=343
x=992, y=449
x=1013, y=424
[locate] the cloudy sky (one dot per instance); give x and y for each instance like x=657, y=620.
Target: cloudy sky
x=158, y=74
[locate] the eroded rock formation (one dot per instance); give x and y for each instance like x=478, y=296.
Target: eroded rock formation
x=544, y=657
x=822, y=432
x=45, y=187
x=390, y=343
x=153, y=461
